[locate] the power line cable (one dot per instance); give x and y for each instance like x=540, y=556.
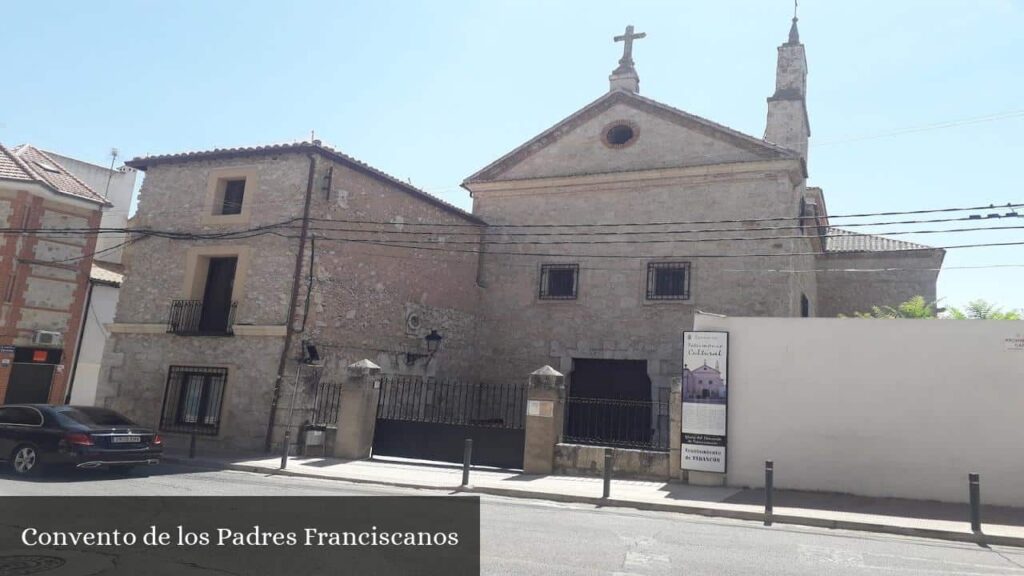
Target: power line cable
x=672, y=240
x=925, y=128
x=653, y=257
x=671, y=223
x=971, y=218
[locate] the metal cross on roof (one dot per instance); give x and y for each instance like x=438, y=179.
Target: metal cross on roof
x=627, y=49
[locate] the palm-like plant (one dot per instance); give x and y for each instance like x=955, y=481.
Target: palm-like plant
x=982, y=310
x=916, y=307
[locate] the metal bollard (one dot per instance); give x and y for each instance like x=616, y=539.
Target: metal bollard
x=974, y=484
x=769, y=482
x=607, y=473
x=192, y=445
x=284, y=450
x=467, y=458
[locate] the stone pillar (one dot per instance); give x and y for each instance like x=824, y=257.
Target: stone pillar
x=545, y=409
x=357, y=411
x=675, y=428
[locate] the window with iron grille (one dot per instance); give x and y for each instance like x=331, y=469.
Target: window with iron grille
x=559, y=281
x=193, y=399
x=668, y=280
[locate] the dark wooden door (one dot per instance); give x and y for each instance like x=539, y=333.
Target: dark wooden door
x=220, y=282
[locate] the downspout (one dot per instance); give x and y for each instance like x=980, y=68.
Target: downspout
x=290, y=316
x=81, y=338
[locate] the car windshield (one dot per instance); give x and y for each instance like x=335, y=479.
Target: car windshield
x=93, y=417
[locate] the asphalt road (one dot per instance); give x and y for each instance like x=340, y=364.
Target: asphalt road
x=535, y=537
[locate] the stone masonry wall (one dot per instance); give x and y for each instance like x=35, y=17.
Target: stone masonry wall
x=371, y=299
x=850, y=292
x=361, y=298
x=611, y=317
x=134, y=373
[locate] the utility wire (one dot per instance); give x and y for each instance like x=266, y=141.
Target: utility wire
x=667, y=240
x=925, y=128
x=894, y=269
x=289, y=224
x=670, y=223
x=972, y=218
x=650, y=257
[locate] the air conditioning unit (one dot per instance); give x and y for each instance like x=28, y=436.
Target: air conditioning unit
x=47, y=338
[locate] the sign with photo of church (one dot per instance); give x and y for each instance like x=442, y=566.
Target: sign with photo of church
x=705, y=400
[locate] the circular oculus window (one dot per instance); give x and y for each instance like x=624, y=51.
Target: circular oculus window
x=620, y=134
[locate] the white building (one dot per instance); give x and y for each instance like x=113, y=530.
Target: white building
x=117, y=187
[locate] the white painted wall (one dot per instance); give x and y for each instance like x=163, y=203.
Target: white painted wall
x=900, y=408
x=118, y=185
x=100, y=312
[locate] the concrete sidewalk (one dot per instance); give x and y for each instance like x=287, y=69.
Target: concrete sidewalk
x=1001, y=525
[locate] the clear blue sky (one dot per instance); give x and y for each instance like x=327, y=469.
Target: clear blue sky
x=433, y=90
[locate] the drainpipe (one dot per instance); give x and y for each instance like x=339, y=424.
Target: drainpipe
x=78, y=347
x=290, y=315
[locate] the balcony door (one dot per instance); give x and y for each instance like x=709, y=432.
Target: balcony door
x=220, y=282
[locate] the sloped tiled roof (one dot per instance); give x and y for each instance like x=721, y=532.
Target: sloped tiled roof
x=30, y=164
x=144, y=162
x=840, y=240
x=101, y=274
x=11, y=168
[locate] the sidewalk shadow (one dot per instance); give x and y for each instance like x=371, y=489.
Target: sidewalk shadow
x=920, y=509
x=68, y=474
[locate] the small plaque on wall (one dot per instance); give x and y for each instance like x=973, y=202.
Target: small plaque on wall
x=542, y=408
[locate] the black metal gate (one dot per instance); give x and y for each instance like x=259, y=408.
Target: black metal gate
x=431, y=419
x=29, y=384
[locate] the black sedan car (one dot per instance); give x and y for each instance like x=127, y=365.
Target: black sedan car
x=37, y=435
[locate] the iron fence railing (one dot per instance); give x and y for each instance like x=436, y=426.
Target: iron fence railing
x=616, y=423
x=193, y=400
x=325, y=405
x=190, y=317
x=414, y=399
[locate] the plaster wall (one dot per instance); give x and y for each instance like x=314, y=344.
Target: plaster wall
x=875, y=407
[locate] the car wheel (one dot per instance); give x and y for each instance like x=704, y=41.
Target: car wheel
x=25, y=460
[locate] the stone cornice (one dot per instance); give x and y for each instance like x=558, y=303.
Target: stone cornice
x=790, y=166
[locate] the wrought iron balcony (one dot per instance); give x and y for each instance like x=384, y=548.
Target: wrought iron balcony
x=193, y=318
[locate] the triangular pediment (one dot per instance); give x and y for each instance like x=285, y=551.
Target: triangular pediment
x=663, y=137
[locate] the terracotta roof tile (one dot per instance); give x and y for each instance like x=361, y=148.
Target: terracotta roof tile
x=100, y=274
x=840, y=240
x=11, y=168
x=48, y=171
x=143, y=162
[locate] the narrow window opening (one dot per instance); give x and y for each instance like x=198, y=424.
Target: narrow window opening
x=234, y=195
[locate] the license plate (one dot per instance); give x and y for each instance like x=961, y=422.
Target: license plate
x=126, y=439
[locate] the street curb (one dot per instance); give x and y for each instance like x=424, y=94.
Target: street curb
x=935, y=534
x=278, y=472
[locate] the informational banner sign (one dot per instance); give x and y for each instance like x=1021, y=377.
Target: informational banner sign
x=705, y=400
x=1015, y=343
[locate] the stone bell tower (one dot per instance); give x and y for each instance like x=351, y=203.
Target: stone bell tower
x=788, y=125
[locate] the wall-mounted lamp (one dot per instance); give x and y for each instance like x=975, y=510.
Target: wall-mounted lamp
x=433, y=343
x=310, y=354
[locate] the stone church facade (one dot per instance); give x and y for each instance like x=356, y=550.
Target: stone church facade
x=589, y=248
